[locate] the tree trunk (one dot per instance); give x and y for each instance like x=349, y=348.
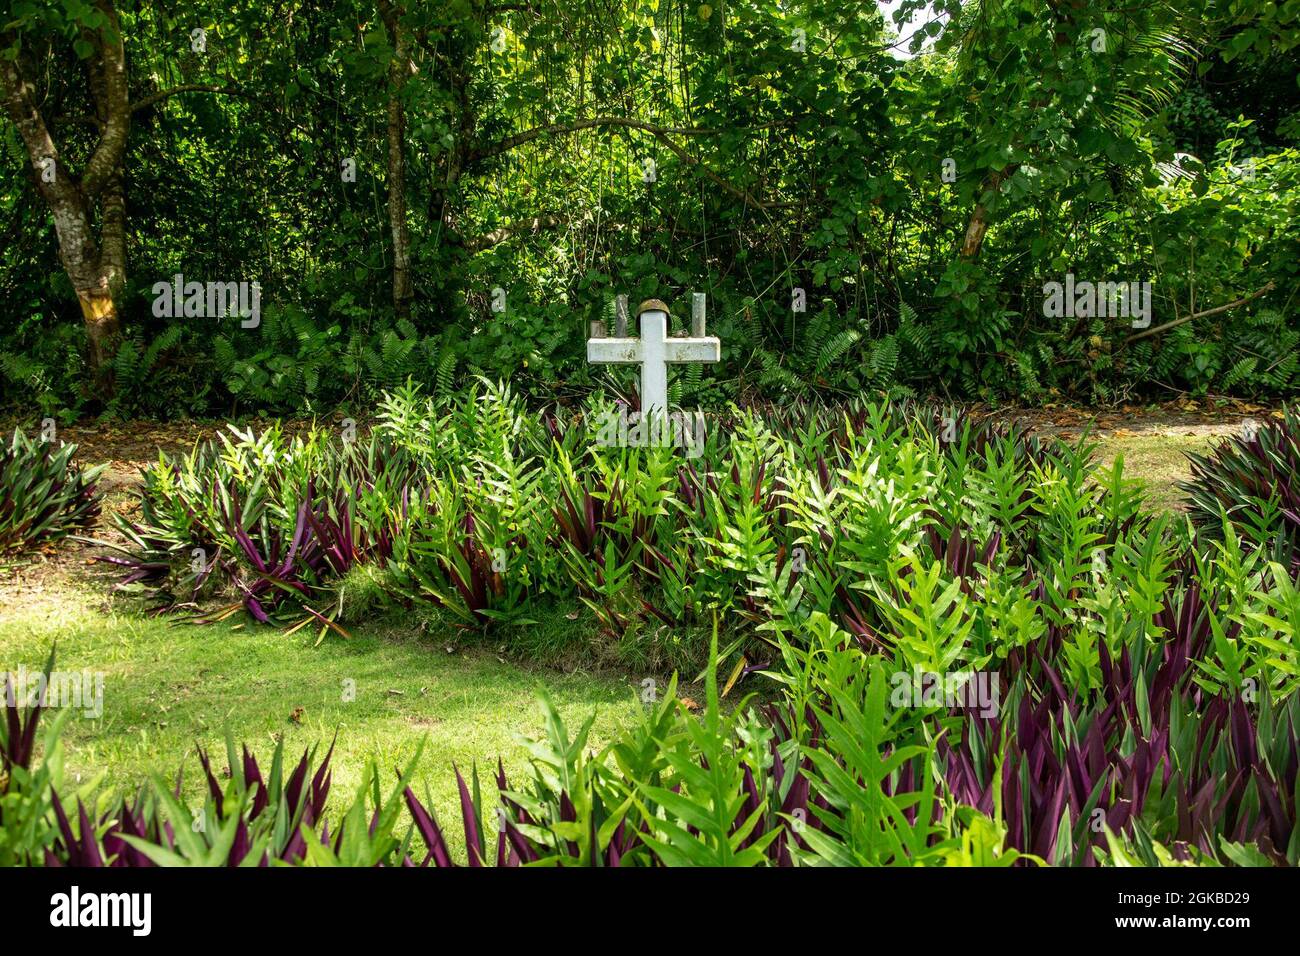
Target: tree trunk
x=96, y=271
x=399, y=69
x=112, y=254
x=103, y=328
x=977, y=227
x=96, y=278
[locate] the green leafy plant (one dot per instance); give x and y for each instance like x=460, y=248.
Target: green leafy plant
x=1253, y=480
x=43, y=495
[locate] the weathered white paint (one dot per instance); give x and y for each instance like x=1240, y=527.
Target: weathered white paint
x=654, y=351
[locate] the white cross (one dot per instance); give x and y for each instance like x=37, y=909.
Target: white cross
x=655, y=350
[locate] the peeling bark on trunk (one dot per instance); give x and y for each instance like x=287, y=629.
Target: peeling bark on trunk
x=976, y=229
x=99, y=305
x=112, y=253
x=96, y=281
x=99, y=313
x=399, y=69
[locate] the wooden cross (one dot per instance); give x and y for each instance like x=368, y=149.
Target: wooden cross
x=655, y=350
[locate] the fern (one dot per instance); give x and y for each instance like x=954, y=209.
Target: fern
x=1029, y=381
x=884, y=362
x=753, y=328
x=169, y=339
x=23, y=371
x=1241, y=371
x=1265, y=319
x=816, y=333
x=224, y=353
x=916, y=336
x=777, y=376
x=374, y=364
x=835, y=349
x=303, y=327
x=685, y=384
x=1283, y=374
x=126, y=362
x=692, y=379
x=553, y=341
x=445, y=375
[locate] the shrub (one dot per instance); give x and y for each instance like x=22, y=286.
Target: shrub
x=28, y=772
x=1101, y=752
x=728, y=788
x=475, y=505
x=1254, y=479
x=271, y=519
x=42, y=494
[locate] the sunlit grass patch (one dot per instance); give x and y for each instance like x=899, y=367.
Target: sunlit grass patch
x=168, y=687
x=1159, y=459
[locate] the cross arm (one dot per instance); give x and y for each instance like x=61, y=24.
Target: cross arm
x=614, y=351
x=706, y=349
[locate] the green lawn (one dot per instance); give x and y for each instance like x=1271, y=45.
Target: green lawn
x=1159, y=459
x=167, y=687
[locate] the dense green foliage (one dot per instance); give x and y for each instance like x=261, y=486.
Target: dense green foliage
x=723, y=789
x=972, y=645
x=1254, y=479
x=1137, y=674
x=1157, y=756
x=567, y=152
x=477, y=507
x=42, y=494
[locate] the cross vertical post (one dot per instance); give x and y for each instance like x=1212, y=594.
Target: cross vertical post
x=654, y=360
x=654, y=351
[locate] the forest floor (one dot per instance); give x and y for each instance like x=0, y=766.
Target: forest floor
x=1153, y=440
x=168, y=686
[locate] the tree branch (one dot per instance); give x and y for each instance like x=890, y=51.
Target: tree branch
x=977, y=226
x=741, y=194
x=161, y=95
x=660, y=133
x=1146, y=333
x=553, y=129
x=152, y=99
x=117, y=113
x=23, y=112
x=501, y=234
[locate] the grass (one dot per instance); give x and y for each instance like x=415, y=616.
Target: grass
x=167, y=687
x=1159, y=459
